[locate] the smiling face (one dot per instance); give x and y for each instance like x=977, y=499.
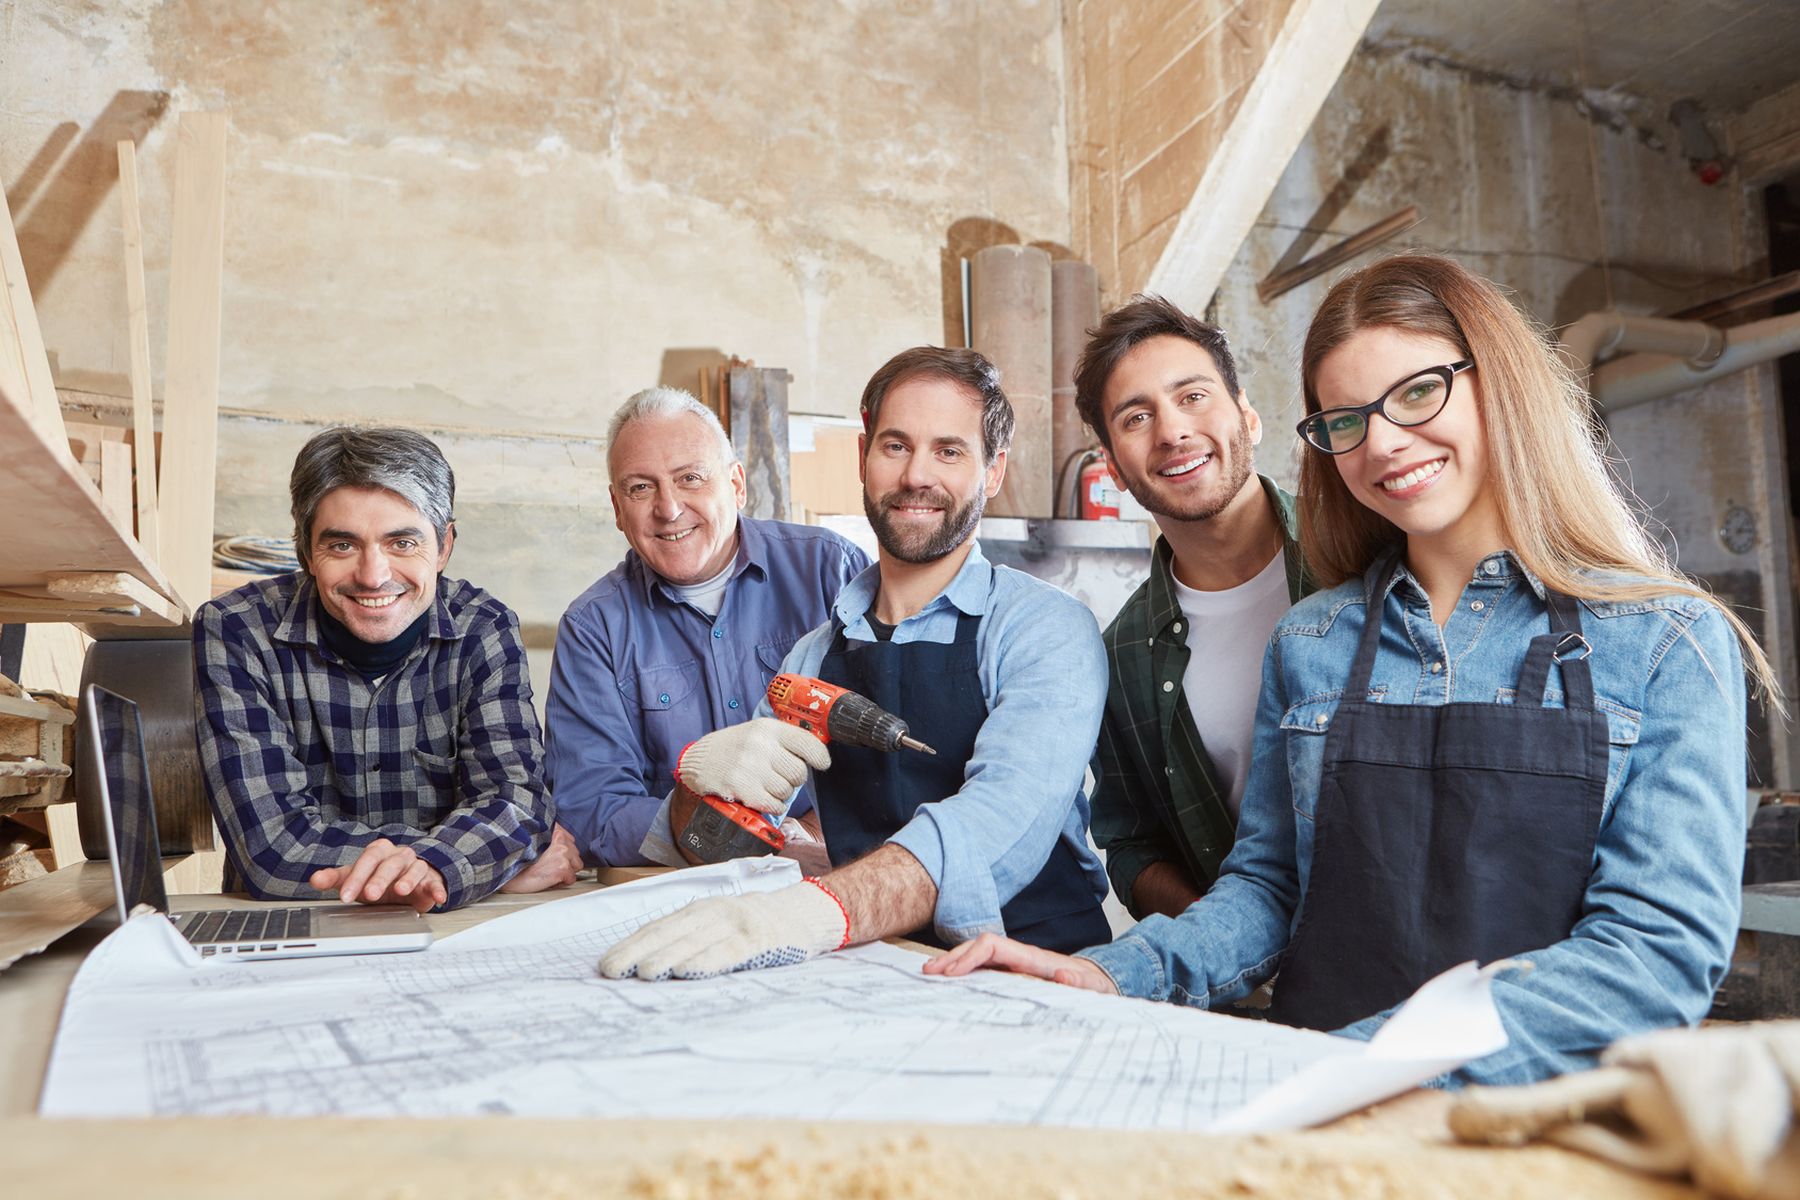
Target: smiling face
x=924, y=484
x=674, y=496
x=1430, y=480
x=375, y=561
x=1181, y=443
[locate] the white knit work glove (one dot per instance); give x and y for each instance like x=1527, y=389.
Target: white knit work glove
x=758, y=763
x=734, y=933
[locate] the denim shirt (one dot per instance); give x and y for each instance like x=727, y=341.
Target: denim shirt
x=639, y=673
x=1660, y=913
x=1043, y=675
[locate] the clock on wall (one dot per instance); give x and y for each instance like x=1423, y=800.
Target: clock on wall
x=1737, y=529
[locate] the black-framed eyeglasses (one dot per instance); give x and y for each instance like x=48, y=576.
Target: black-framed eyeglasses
x=1413, y=401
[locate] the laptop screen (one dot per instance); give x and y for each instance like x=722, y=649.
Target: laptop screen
x=122, y=773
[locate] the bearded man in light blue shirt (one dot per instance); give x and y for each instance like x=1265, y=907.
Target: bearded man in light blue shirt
x=1002, y=674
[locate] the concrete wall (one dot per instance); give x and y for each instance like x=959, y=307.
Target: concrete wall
x=1571, y=210
x=500, y=219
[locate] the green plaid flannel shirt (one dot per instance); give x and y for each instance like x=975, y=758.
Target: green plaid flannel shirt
x=1155, y=799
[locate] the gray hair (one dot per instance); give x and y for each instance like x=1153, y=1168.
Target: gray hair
x=408, y=464
x=667, y=402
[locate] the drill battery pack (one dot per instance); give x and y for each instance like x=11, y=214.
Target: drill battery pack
x=721, y=830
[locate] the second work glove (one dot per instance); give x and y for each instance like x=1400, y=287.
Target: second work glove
x=758, y=763
x=734, y=933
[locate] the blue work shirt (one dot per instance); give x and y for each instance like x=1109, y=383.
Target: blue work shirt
x=639, y=673
x=1660, y=914
x=1043, y=675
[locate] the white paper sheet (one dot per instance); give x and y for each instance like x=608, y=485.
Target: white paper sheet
x=511, y=1017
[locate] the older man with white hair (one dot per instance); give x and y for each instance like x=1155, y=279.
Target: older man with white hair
x=683, y=636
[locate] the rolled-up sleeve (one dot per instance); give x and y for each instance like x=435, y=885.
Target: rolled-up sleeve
x=984, y=844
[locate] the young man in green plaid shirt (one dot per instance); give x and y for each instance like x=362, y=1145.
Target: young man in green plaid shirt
x=1160, y=389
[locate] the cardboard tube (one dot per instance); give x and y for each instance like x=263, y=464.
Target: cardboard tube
x=1009, y=289
x=1074, y=309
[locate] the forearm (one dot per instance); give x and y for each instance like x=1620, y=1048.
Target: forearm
x=1162, y=887
x=886, y=893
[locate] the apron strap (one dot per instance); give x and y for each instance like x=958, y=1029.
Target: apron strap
x=1564, y=646
x=1363, y=669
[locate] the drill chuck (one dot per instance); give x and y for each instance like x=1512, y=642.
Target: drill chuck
x=856, y=721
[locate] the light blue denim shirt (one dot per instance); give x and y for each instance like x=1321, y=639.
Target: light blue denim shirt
x=1660, y=914
x=1043, y=674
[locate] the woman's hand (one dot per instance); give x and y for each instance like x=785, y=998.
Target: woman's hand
x=1001, y=953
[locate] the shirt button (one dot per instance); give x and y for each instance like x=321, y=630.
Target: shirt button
x=1168, y=770
x=718, y=633
x=1492, y=567
x=1476, y=606
x=1176, y=627
x=1168, y=685
x=1151, y=643
x=731, y=704
x=664, y=698
x=1320, y=719
x=1436, y=667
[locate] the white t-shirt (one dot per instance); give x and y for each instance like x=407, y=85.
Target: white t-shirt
x=1227, y=634
x=709, y=595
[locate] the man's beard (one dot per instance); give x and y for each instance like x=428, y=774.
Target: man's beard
x=1205, y=507
x=924, y=545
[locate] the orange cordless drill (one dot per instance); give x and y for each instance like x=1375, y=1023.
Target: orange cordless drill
x=722, y=829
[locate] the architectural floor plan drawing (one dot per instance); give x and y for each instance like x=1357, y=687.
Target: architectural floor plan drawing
x=512, y=1018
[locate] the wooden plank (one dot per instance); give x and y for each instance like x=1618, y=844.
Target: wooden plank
x=137, y=326
x=68, y=528
x=115, y=482
x=1305, y=58
x=24, y=367
x=36, y=710
x=191, y=380
x=1335, y=256
x=33, y=916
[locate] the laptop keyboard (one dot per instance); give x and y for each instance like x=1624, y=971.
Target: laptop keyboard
x=247, y=926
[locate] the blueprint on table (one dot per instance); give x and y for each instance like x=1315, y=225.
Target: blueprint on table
x=512, y=1018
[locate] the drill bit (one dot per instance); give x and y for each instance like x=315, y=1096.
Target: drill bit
x=915, y=744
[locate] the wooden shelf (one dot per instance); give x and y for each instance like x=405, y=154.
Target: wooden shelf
x=62, y=558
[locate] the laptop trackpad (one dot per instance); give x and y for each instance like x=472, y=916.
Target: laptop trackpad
x=365, y=920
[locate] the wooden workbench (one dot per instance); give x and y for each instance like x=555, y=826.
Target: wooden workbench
x=1397, y=1151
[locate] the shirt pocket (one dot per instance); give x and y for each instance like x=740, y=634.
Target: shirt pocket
x=1303, y=729
x=769, y=655
x=1621, y=736
x=667, y=717
x=437, y=773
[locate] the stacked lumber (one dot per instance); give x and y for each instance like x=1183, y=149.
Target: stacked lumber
x=36, y=737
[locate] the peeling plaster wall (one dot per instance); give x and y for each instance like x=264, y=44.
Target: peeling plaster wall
x=502, y=218
x=1571, y=215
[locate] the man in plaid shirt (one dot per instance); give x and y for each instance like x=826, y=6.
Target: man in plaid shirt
x=1184, y=655
x=365, y=725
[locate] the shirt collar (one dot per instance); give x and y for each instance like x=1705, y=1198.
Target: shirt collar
x=1500, y=567
x=1165, y=606
x=752, y=555
x=299, y=624
x=967, y=591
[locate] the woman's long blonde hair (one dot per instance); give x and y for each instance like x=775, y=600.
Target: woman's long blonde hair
x=1564, y=515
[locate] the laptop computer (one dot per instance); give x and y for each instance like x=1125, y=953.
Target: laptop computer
x=112, y=730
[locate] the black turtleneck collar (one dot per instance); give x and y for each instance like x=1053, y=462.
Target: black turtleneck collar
x=371, y=660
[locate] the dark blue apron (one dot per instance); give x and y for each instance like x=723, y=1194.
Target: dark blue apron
x=1447, y=832
x=867, y=795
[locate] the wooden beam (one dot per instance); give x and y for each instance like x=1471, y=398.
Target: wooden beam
x=24, y=367
x=1308, y=54
x=1335, y=256
x=191, y=380
x=1765, y=138
x=137, y=328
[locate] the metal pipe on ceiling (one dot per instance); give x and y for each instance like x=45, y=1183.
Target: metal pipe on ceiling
x=1640, y=378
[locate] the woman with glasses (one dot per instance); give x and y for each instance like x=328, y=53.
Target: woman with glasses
x=1507, y=728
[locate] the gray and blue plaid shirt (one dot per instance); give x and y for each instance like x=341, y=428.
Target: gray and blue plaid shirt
x=306, y=762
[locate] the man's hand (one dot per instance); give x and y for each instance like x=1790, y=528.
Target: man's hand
x=758, y=763
x=556, y=867
x=385, y=874
x=733, y=933
x=992, y=950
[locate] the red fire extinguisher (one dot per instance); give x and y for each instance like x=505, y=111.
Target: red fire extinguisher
x=1099, y=494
